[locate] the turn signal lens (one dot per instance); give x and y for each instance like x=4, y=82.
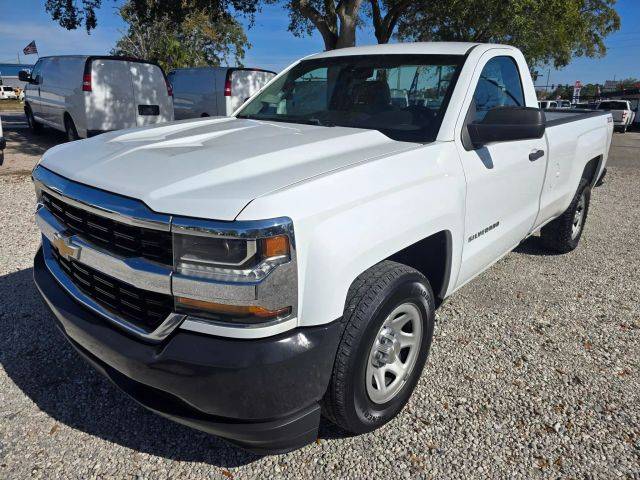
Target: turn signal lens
x=233, y=311
x=277, y=246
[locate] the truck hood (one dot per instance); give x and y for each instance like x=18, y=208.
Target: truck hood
x=212, y=168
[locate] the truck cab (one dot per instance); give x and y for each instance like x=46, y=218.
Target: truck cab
x=246, y=275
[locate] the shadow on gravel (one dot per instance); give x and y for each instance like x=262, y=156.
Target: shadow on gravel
x=39, y=361
x=24, y=141
x=534, y=246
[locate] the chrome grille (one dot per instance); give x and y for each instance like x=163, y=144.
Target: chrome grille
x=119, y=238
x=142, y=308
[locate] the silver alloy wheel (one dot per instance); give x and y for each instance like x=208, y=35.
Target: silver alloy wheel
x=394, y=353
x=578, y=217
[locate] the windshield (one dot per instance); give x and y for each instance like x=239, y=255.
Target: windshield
x=402, y=96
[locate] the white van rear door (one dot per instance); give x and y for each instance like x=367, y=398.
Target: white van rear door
x=152, y=101
x=244, y=83
x=110, y=106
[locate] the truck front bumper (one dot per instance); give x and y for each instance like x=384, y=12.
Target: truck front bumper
x=262, y=395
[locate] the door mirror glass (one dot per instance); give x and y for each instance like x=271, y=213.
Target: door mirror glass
x=25, y=76
x=505, y=124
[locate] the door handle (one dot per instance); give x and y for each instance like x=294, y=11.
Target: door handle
x=535, y=155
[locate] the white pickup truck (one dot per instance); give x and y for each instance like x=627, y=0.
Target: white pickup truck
x=243, y=275
x=621, y=112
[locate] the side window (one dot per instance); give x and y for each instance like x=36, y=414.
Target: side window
x=499, y=86
x=36, y=72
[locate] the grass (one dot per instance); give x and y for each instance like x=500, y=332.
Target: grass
x=10, y=105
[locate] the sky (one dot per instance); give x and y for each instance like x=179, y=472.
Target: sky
x=274, y=47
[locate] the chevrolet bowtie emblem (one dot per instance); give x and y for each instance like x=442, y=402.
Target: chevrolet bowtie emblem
x=64, y=246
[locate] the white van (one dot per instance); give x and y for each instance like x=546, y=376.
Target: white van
x=88, y=95
x=214, y=91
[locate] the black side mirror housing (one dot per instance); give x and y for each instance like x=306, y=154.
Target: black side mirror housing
x=25, y=76
x=506, y=124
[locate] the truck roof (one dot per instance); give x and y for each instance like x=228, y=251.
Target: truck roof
x=422, y=48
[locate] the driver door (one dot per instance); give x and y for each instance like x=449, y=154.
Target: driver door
x=503, y=182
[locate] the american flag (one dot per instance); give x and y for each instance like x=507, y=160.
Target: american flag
x=31, y=48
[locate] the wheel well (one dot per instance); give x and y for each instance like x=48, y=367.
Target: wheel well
x=431, y=256
x=591, y=169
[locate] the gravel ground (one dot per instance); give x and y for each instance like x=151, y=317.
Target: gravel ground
x=534, y=372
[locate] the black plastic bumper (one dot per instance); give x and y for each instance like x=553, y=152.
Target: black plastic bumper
x=262, y=395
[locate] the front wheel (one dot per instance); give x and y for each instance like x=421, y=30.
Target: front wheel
x=389, y=318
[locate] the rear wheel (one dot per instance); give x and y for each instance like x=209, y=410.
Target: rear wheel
x=34, y=126
x=563, y=234
x=70, y=128
x=389, y=317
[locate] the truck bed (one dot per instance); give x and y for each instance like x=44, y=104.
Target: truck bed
x=558, y=116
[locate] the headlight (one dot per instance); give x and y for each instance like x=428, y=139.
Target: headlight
x=229, y=259
x=240, y=272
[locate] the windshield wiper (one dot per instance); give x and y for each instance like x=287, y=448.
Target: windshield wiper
x=287, y=119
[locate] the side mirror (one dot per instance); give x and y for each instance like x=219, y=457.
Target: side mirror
x=25, y=76
x=506, y=124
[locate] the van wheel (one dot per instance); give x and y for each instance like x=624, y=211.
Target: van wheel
x=563, y=234
x=34, y=126
x=388, y=325
x=70, y=128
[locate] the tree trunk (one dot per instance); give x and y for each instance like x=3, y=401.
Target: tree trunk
x=347, y=11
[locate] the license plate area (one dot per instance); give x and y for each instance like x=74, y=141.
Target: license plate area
x=148, y=110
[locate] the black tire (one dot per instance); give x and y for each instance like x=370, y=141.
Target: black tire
x=371, y=298
x=70, y=129
x=559, y=235
x=34, y=126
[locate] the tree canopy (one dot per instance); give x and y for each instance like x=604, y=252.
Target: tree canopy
x=192, y=40
x=71, y=14
x=547, y=31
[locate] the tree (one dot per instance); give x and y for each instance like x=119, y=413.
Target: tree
x=337, y=21
x=547, y=31
x=71, y=14
x=194, y=40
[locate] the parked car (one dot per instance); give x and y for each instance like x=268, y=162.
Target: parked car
x=243, y=274
x=214, y=91
x=3, y=143
x=635, y=108
x=621, y=111
x=563, y=103
x=547, y=104
x=7, y=93
x=88, y=95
